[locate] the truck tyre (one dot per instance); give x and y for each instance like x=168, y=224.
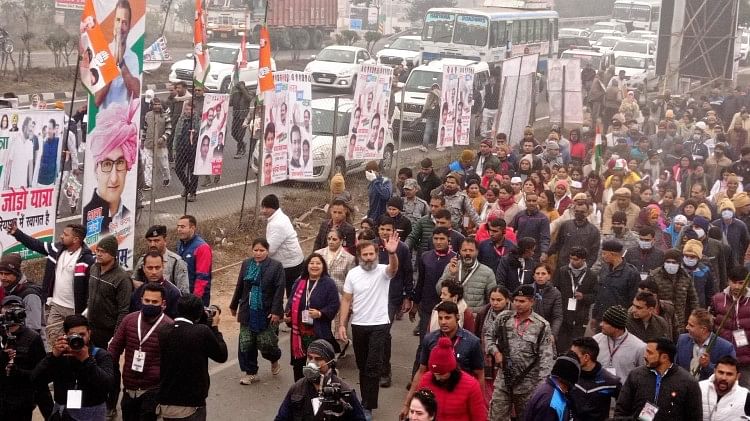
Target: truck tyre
x=302, y=39
x=316, y=39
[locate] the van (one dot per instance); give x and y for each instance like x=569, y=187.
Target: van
x=420, y=80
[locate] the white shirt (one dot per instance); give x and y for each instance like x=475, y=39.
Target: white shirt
x=369, y=295
x=62, y=293
x=282, y=240
x=21, y=156
x=731, y=407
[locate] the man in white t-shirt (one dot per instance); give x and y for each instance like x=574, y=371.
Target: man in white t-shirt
x=366, y=294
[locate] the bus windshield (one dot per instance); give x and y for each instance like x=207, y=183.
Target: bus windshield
x=641, y=13
x=438, y=27
x=471, y=30
x=422, y=80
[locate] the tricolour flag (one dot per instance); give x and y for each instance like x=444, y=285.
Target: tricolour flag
x=265, y=75
x=241, y=59
x=97, y=66
x=202, y=61
x=596, y=159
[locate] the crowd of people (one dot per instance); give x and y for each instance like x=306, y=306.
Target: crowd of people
x=549, y=282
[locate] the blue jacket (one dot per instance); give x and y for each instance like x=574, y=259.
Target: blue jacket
x=487, y=254
x=198, y=256
x=378, y=193
x=703, y=280
x=535, y=226
x=548, y=403
x=720, y=348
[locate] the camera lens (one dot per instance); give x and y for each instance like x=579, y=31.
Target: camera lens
x=75, y=342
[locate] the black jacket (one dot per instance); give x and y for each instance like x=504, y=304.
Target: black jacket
x=52, y=251
x=347, y=230
x=427, y=184
x=272, y=281
x=297, y=405
x=679, y=396
x=616, y=286
x=586, y=285
x=94, y=377
x=593, y=394
x=17, y=390
x=185, y=350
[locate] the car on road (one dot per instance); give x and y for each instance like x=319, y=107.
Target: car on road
x=643, y=34
x=610, y=25
x=634, y=46
x=567, y=42
x=598, y=59
x=420, y=80
x=601, y=33
x=337, y=66
x=639, y=70
x=404, y=50
x=322, y=129
x=573, y=32
x=223, y=56
x=607, y=44
x=744, y=47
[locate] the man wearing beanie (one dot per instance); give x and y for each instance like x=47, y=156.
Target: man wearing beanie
x=735, y=231
x=109, y=293
x=596, y=388
x=175, y=269
x=297, y=404
x=458, y=395
x=618, y=281
x=520, y=342
x=463, y=166
x=676, y=286
x=427, y=179
x=715, y=252
x=550, y=399
x=741, y=202
x=619, y=350
x=620, y=232
x=394, y=209
x=14, y=282
x=701, y=274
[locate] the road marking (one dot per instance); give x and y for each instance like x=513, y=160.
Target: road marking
x=210, y=190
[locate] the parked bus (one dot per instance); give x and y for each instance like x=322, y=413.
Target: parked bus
x=638, y=14
x=488, y=34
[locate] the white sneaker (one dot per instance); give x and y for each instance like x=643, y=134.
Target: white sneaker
x=423, y=148
x=248, y=379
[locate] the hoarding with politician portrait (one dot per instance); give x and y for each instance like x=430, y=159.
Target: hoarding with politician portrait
x=209, y=155
x=300, y=132
x=448, y=99
x=276, y=125
x=464, y=102
x=369, y=119
x=30, y=149
x=110, y=175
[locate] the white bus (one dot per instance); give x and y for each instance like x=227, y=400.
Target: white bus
x=488, y=34
x=638, y=14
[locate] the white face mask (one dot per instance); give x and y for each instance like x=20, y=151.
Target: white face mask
x=727, y=214
x=699, y=232
x=690, y=261
x=370, y=175
x=671, y=268
x=645, y=245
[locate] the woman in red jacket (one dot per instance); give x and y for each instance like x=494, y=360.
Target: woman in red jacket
x=457, y=393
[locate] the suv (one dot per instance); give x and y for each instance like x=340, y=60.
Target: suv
x=404, y=50
x=601, y=33
x=223, y=56
x=634, y=46
x=421, y=79
x=611, y=25
x=639, y=70
x=598, y=59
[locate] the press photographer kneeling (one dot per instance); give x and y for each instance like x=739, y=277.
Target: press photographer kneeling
x=320, y=395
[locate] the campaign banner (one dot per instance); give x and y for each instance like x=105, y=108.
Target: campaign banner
x=30, y=149
x=448, y=102
x=276, y=127
x=209, y=153
x=369, y=120
x=111, y=155
x=572, y=94
x=99, y=59
x=464, y=102
x=514, y=108
x=300, y=133
x=69, y=4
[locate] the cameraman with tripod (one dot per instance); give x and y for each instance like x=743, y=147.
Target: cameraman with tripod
x=20, y=350
x=320, y=395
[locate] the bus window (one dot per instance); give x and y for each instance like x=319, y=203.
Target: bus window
x=517, y=32
x=438, y=27
x=554, y=29
x=522, y=32
x=471, y=30
x=545, y=32
x=498, y=36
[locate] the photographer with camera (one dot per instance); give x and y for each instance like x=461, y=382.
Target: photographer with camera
x=320, y=395
x=15, y=283
x=82, y=374
x=20, y=350
x=186, y=345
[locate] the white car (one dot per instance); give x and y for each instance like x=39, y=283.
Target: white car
x=574, y=32
x=611, y=25
x=404, y=50
x=337, y=66
x=606, y=44
x=223, y=56
x=634, y=46
x=744, y=47
x=600, y=33
x=639, y=70
x=642, y=34
x=322, y=128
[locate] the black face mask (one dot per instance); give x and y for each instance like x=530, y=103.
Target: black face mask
x=151, y=311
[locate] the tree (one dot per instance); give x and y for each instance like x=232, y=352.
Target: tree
x=418, y=9
x=347, y=37
x=371, y=37
x=185, y=12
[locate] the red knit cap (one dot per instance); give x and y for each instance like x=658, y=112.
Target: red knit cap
x=442, y=358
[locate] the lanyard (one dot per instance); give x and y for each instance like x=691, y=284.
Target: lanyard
x=460, y=272
x=658, y=386
x=182, y=319
x=522, y=271
x=612, y=352
x=142, y=340
x=500, y=251
x=308, y=292
x=518, y=323
x=575, y=285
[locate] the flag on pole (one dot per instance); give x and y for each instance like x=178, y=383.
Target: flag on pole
x=202, y=61
x=97, y=66
x=265, y=74
x=596, y=159
x=241, y=59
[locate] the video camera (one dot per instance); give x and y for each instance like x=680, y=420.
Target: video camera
x=15, y=315
x=209, y=313
x=333, y=402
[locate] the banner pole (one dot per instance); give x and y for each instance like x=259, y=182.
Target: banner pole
x=67, y=133
x=334, y=135
x=400, y=131
x=249, y=160
x=259, y=172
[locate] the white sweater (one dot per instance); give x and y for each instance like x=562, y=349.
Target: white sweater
x=282, y=240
